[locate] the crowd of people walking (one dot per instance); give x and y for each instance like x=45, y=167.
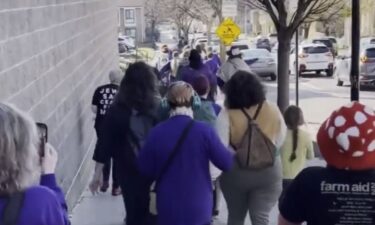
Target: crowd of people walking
x=174, y=151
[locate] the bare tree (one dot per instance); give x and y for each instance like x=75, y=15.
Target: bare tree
x=154, y=13
x=329, y=19
x=183, y=13
x=286, y=24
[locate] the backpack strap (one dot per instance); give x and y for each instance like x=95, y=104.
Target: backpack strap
x=174, y=152
x=260, y=106
x=256, y=112
x=12, y=209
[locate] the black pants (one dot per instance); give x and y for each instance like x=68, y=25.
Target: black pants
x=107, y=171
x=136, y=194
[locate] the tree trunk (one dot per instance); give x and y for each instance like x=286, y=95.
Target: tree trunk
x=209, y=28
x=283, y=55
x=223, y=52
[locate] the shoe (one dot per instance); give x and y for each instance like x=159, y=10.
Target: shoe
x=104, y=186
x=116, y=191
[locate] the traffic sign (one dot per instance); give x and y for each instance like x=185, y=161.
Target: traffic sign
x=228, y=31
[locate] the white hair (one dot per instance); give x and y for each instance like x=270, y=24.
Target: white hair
x=19, y=160
x=115, y=76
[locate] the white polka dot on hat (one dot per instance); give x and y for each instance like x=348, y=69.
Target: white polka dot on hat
x=347, y=138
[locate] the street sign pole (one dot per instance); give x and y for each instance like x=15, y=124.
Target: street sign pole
x=356, y=35
x=297, y=70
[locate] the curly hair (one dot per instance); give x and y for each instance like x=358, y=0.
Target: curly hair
x=244, y=90
x=19, y=159
x=138, y=89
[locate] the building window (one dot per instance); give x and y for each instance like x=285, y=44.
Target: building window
x=129, y=16
x=130, y=32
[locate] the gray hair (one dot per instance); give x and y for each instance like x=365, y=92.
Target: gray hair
x=19, y=160
x=115, y=76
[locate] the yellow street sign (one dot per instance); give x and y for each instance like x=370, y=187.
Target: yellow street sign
x=228, y=31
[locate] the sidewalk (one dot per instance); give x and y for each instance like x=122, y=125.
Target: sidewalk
x=105, y=209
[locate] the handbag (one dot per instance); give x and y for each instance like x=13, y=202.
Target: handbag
x=12, y=209
x=153, y=196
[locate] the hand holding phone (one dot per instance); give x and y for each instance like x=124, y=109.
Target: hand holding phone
x=43, y=137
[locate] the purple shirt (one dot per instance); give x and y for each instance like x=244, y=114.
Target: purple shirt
x=185, y=190
x=43, y=205
x=188, y=74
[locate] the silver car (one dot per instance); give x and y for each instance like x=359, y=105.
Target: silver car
x=367, y=67
x=261, y=62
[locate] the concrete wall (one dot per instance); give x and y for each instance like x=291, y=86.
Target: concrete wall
x=53, y=53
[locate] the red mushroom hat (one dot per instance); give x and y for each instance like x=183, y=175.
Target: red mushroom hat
x=347, y=138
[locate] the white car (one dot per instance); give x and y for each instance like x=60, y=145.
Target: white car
x=313, y=57
x=366, y=67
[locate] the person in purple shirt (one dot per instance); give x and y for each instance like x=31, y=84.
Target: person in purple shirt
x=213, y=61
x=197, y=68
x=21, y=167
x=184, y=192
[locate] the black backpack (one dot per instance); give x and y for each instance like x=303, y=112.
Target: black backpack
x=12, y=209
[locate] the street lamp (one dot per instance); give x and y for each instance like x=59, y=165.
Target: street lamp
x=356, y=36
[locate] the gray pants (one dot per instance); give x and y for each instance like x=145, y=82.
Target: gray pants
x=253, y=192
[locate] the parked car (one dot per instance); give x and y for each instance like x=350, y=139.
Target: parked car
x=127, y=40
x=367, y=41
x=313, y=57
x=329, y=42
x=367, y=67
x=261, y=62
x=263, y=43
x=241, y=45
x=125, y=44
x=273, y=39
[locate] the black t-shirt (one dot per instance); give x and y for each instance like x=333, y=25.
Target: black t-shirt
x=103, y=98
x=328, y=196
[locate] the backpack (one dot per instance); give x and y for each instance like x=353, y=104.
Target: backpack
x=255, y=151
x=139, y=126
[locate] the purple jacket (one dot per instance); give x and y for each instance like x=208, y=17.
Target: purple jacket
x=185, y=190
x=213, y=65
x=188, y=74
x=43, y=205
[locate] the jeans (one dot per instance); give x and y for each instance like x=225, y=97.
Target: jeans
x=251, y=192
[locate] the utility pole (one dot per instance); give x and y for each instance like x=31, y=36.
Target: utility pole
x=297, y=68
x=356, y=36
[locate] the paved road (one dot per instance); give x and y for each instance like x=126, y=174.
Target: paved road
x=319, y=96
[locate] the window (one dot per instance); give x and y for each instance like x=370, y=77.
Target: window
x=370, y=52
x=131, y=32
x=129, y=16
x=326, y=42
x=315, y=50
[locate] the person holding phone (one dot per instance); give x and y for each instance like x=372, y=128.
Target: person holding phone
x=21, y=166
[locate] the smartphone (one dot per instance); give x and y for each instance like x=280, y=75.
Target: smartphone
x=43, y=137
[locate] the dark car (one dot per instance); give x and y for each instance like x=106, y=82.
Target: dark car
x=264, y=43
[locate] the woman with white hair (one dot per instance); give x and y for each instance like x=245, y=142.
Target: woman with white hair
x=22, y=201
